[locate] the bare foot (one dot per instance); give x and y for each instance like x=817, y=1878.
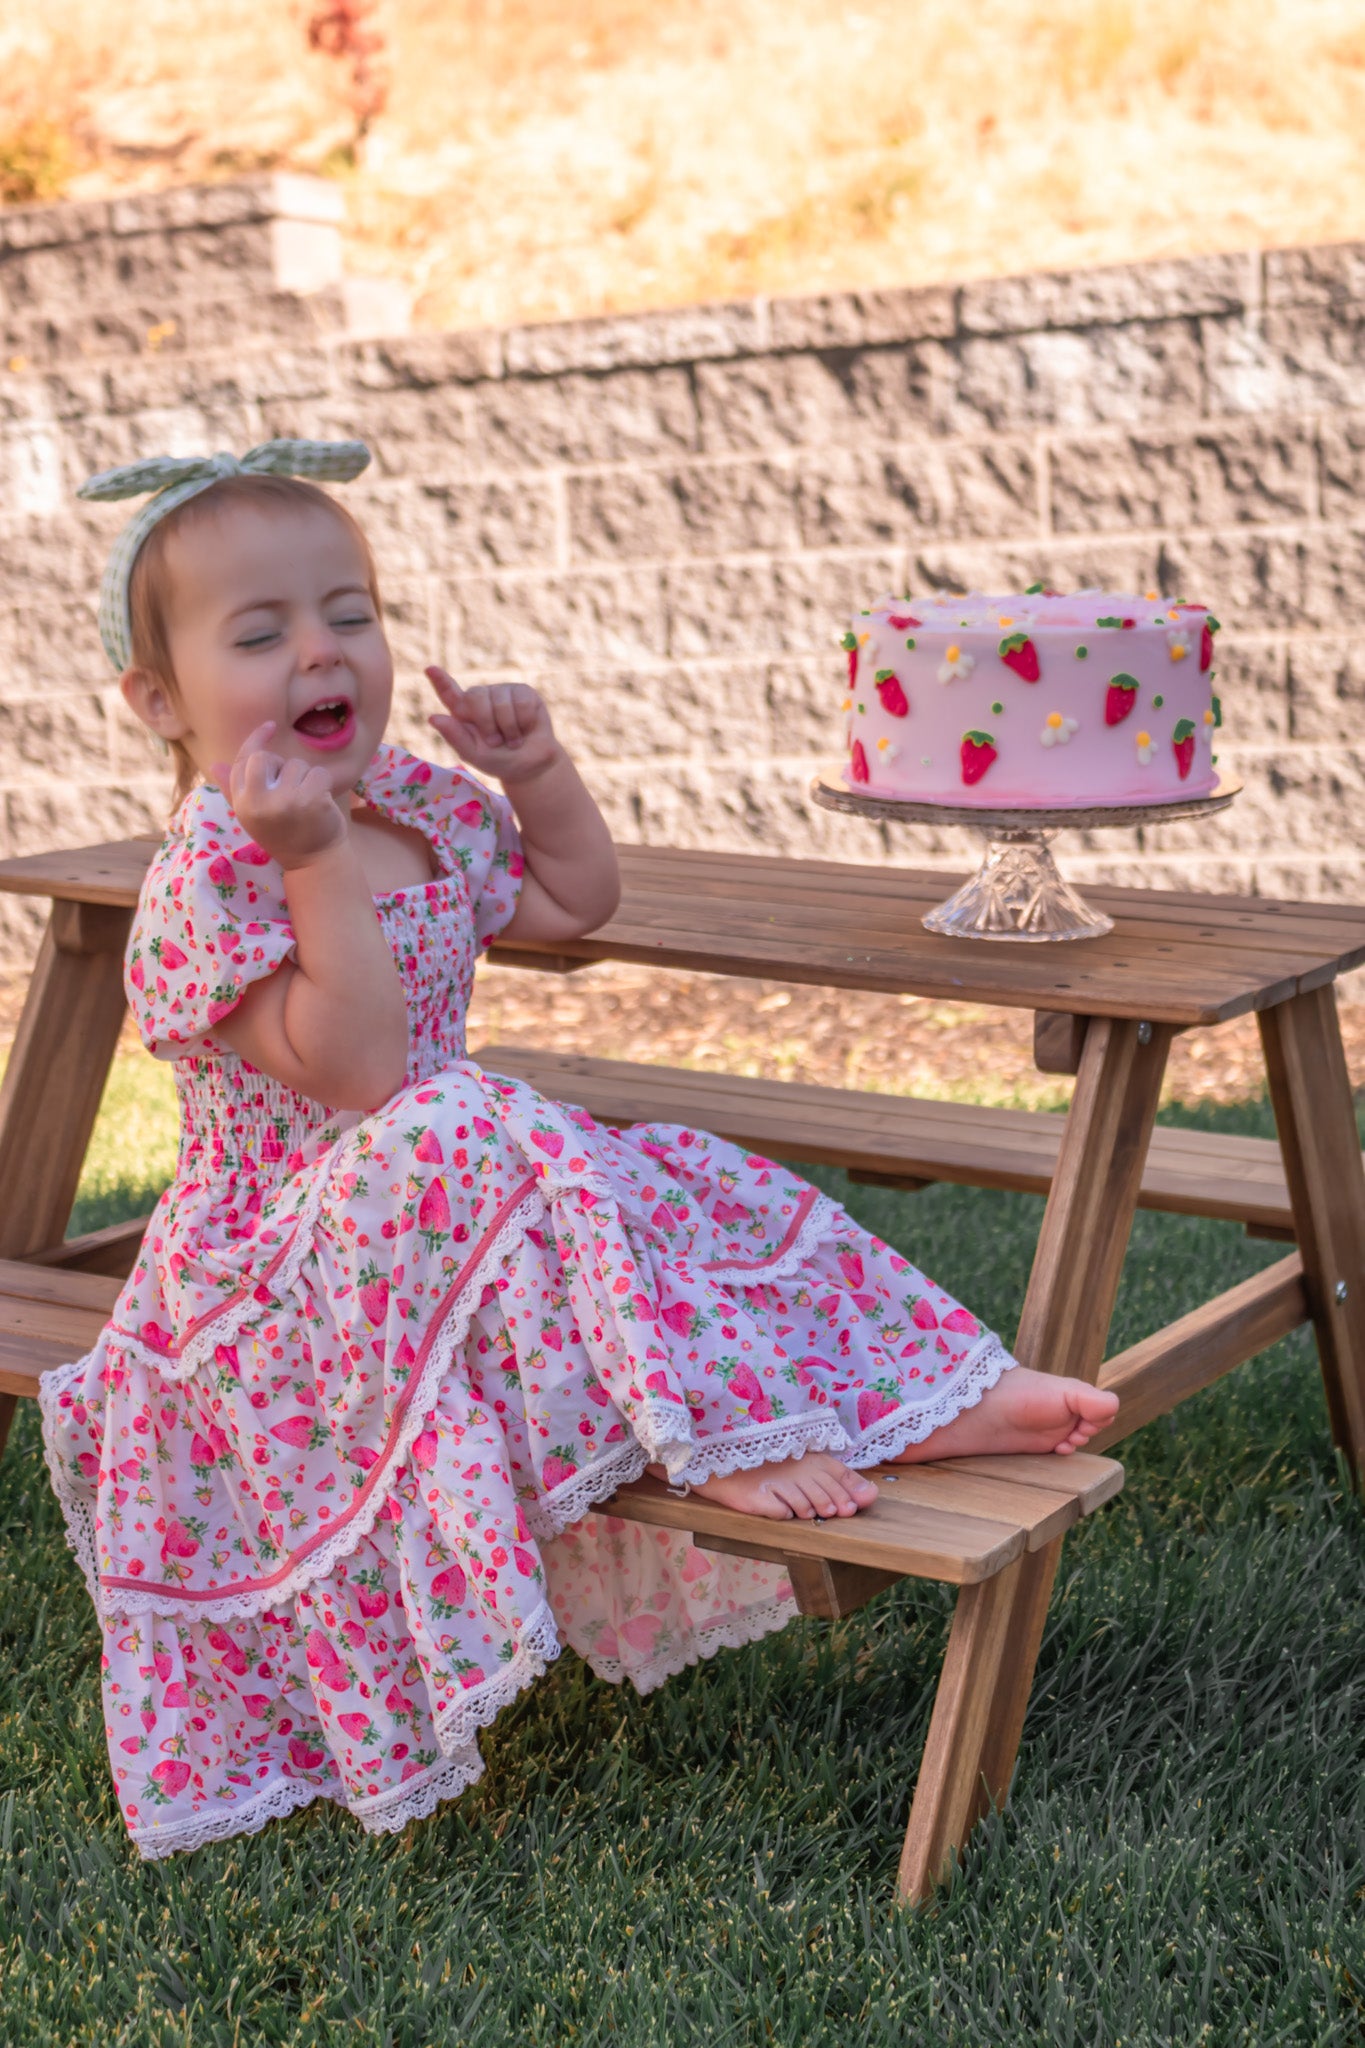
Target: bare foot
x=1023, y=1411
x=812, y=1488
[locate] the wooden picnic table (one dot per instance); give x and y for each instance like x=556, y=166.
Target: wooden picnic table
x=1105, y=1009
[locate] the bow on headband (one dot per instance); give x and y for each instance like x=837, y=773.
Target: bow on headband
x=174, y=479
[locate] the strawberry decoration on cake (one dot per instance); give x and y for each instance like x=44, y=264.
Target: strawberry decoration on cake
x=978, y=751
x=849, y=643
x=858, y=762
x=1119, y=698
x=1182, y=740
x=893, y=699
x=901, y=622
x=1018, y=652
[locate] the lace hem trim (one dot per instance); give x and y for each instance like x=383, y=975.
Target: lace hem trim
x=727, y=1632
x=689, y=1463
x=80, y=1530
x=458, y=1723
x=414, y=1800
x=894, y=1433
x=578, y=1496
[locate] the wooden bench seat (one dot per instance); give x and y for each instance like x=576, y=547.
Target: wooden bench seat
x=903, y=1140
x=959, y=1522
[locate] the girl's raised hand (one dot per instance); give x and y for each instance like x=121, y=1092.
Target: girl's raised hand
x=500, y=729
x=286, y=806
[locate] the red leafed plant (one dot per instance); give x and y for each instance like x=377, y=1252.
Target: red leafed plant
x=344, y=29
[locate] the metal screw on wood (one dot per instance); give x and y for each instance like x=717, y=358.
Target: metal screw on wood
x=1340, y=1290
x=1144, y=1033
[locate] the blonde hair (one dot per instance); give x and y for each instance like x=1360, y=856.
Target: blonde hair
x=149, y=586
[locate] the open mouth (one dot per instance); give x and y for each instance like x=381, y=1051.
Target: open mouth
x=329, y=723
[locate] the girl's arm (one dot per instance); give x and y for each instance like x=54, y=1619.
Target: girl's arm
x=571, y=883
x=333, y=1026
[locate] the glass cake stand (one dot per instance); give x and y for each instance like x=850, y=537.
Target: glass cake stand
x=1017, y=892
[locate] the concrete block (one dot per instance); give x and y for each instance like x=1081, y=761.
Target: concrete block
x=1115, y=295
x=572, y=420
x=1332, y=274
x=856, y=497
x=838, y=320
x=711, y=508
x=681, y=334
x=417, y=362
x=38, y=816
x=417, y=436
x=497, y=525
x=1251, y=678
x=1325, y=677
x=522, y=623
x=1091, y=562
x=1254, y=579
x=1343, y=466
x=58, y=735
x=704, y=711
x=255, y=377
x=796, y=605
x=1149, y=370
x=1236, y=473
x=1293, y=359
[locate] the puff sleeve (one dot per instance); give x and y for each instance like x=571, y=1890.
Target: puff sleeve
x=211, y=919
x=471, y=827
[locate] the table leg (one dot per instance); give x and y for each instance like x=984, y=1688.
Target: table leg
x=57, y=1070
x=1315, y=1117
x=979, y=1710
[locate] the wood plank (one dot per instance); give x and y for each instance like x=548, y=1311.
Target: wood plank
x=56, y=1074
x=1091, y=1479
x=952, y=1791
x=1062, y=1329
x=902, y=1138
x=1155, y=1375
x=112, y=1250
x=49, y=1322
x=919, y=1542
x=1185, y=960
x=21, y=1362
x=21, y=1281
x=1315, y=1116
x=1040, y=1512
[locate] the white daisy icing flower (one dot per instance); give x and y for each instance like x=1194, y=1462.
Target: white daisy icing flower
x=887, y=750
x=1177, y=643
x=955, y=665
x=1057, y=729
x=1209, y=725
x=1146, y=747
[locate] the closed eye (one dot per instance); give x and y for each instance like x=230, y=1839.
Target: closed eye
x=257, y=639
x=359, y=619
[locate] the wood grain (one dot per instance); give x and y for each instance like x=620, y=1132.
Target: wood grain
x=1315, y=1116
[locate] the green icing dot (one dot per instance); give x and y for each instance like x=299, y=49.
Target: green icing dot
x=997, y=709
x=1081, y=653
x=1158, y=702
x=862, y=711
x=910, y=643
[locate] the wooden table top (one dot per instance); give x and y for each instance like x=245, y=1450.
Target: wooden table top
x=1173, y=957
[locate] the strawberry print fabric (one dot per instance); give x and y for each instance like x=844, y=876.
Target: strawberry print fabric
x=329, y=1470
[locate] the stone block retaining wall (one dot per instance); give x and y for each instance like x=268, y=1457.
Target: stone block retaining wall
x=662, y=520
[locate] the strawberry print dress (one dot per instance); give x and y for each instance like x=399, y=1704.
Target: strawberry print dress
x=329, y=1471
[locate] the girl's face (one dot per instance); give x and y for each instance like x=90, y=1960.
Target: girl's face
x=269, y=615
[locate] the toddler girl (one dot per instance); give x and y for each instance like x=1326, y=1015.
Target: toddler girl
x=399, y=1324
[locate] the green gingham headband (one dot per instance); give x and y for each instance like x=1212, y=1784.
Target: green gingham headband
x=175, y=478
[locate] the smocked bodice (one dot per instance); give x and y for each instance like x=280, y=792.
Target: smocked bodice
x=235, y=1120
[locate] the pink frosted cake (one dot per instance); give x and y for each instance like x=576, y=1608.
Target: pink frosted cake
x=1036, y=701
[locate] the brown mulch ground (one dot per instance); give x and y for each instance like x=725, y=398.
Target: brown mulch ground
x=841, y=1038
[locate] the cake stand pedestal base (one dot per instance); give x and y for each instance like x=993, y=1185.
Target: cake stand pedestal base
x=1017, y=893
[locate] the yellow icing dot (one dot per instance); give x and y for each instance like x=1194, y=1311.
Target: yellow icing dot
x=1144, y=739
x=882, y=746
x=847, y=704
x=1179, y=651
x=1152, y=596
x=1006, y=622
x=863, y=639
x=952, y=653
x=1208, y=718
x=1054, y=719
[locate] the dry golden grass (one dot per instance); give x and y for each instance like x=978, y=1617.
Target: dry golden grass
x=539, y=158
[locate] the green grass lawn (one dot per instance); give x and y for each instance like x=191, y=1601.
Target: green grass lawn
x=1182, y=1860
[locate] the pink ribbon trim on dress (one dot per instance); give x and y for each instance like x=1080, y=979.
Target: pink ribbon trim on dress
x=377, y=1471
